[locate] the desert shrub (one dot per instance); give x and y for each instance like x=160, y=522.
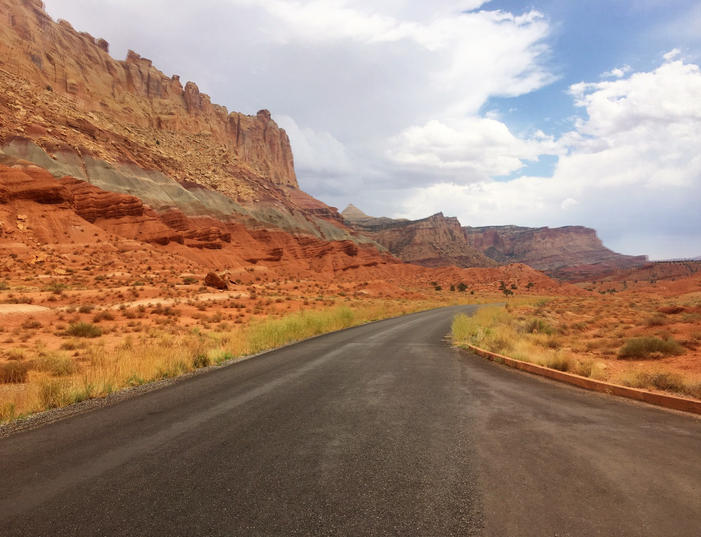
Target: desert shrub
x=538, y=326
x=86, y=308
x=553, y=343
x=500, y=344
x=649, y=347
x=694, y=390
x=31, y=324
x=103, y=316
x=668, y=381
x=13, y=373
x=69, y=346
x=201, y=360
x=81, y=329
x=56, y=365
x=656, y=320
x=662, y=381
x=4, y=286
x=16, y=354
x=583, y=368
x=189, y=280
x=54, y=394
x=7, y=411
x=561, y=363
x=56, y=287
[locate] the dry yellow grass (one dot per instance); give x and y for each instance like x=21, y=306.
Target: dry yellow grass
x=527, y=333
x=57, y=381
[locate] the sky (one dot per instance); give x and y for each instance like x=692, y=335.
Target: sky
x=542, y=113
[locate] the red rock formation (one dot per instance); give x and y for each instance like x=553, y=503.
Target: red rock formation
x=78, y=96
x=435, y=241
x=570, y=253
x=43, y=209
x=30, y=184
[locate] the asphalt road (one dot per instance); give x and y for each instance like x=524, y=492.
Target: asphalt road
x=377, y=430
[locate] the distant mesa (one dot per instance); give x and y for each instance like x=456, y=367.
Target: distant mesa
x=568, y=253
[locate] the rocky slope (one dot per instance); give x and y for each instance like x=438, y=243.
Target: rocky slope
x=568, y=253
x=40, y=213
x=69, y=107
x=99, y=157
x=48, y=225
x=435, y=241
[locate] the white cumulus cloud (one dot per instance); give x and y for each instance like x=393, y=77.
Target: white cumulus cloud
x=632, y=169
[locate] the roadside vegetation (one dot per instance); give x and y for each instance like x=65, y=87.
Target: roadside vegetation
x=84, y=367
x=578, y=336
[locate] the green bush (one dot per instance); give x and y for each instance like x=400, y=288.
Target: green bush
x=649, y=347
x=82, y=329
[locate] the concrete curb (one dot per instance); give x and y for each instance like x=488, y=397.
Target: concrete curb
x=667, y=401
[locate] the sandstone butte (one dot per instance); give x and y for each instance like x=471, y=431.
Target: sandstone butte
x=572, y=253
x=105, y=153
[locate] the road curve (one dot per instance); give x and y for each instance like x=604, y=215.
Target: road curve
x=378, y=430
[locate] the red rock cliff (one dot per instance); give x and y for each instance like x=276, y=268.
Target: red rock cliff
x=569, y=253
x=61, y=88
x=435, y=241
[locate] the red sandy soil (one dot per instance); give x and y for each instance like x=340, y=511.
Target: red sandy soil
x=597, y=325
x=70, y=252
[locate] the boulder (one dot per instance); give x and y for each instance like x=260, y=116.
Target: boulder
x=214, y=280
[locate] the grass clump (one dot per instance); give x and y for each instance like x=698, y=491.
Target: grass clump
x=13, y=373
x=649, y=348
x=559, y=362
x=656, y=320
x=54, y=394
x=82, y=329
x=489, y=328
x=56, y=365
x=538, y=326
x=201, y=360
x=666, y=381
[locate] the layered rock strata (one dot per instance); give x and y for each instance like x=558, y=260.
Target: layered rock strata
x=569, y=253
x=69, y=107
x=432, y=242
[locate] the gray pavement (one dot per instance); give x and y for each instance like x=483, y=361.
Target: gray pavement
x=378, y=430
